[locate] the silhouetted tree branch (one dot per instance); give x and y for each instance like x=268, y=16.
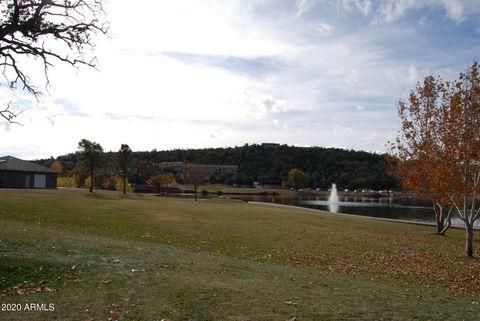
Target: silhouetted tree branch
x=9, y=115
x=48, y=31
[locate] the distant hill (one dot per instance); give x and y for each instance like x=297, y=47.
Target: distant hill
x=267, y=164
x=270, y=165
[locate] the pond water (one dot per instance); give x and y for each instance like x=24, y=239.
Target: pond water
x=399, y=208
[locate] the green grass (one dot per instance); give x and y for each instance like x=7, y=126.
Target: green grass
x=105, y=255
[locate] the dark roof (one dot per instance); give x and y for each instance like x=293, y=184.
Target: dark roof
x=9, y=163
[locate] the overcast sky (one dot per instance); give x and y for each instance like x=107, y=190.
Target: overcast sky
x=217, y=73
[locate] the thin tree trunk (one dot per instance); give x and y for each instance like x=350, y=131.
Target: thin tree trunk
x=447, y=221
x=440, y=223
x=195, y=187
x=469, y=240
x=439, y=218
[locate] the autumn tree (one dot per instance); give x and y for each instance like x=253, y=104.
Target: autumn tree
x=122, y=185
x=161, y=180
x=90, y=155
x=296, y=178
x=124, y=160
x=45, y=32
x=155, y=181
x=437, y=151
x=57, y=166
x=167, y=179
x=195, y=175
x=462, y=150
x=416, y=154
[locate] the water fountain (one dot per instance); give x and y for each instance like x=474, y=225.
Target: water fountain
x=333, y=199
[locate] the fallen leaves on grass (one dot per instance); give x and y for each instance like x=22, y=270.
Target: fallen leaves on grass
x=26, y=289
x=428, y=269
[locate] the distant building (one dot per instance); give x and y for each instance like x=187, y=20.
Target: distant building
x=174, y=167
x=215, y=169
x=17, y=173
x=179, y=167
x=270, y=146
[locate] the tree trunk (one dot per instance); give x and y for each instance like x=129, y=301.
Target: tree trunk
x=446, y=226
x=469, y=240
x=195, y=188
x=439, y=224
x=439, y=219
x=443, y=222
x=124, y=184
x=447, y=222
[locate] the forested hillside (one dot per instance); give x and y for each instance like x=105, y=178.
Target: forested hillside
x=323, y=166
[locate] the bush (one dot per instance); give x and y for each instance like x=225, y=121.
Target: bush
x=66, y=181
x=128, y=188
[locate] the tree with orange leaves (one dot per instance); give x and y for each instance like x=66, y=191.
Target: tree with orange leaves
x=461, y=155
x=415, y=158
x=436, y=154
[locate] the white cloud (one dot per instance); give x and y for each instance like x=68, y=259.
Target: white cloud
x=364, y=6
x=393, y=10
x=242, y=71
x=304, y=6
x=325, y=28
x=454, y=9
x=412, y=74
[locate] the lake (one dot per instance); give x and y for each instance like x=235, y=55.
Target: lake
x=399, y=208
x=395, y=207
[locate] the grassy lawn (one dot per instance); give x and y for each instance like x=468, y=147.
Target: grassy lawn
x=107, y=256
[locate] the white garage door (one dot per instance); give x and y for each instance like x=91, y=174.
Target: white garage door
x=40, y=181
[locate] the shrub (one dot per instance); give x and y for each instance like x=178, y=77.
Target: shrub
x=128, y=188
x=66, y=181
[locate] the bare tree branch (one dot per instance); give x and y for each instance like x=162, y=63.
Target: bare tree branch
x=49, y=31
x=9, y=115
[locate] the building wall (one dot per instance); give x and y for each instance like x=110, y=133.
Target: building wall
x=9, y=179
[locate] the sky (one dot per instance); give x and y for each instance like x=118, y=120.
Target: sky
x=219, y=73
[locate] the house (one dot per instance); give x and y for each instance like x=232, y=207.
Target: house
x=17, y=173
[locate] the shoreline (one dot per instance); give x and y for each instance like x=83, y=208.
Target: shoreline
x=422, y=223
